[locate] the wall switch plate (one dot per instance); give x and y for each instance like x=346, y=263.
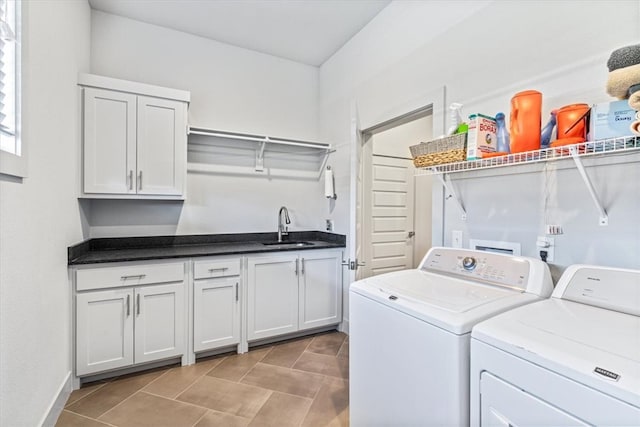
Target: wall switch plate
x=546, y=244
x=456, y=238
x=329, y=225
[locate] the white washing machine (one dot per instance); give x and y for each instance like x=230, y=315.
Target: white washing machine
x=571, y=360
x=409, y=333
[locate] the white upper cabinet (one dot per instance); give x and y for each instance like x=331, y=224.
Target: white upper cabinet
x=134, y=140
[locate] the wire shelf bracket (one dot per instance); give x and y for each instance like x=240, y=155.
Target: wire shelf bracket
x=604, y=218
x=446, y=183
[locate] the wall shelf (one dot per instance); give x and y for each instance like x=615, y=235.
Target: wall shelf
x=223, y=152
x=575, y=152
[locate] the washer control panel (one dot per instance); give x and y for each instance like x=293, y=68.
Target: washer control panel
x=497, y=269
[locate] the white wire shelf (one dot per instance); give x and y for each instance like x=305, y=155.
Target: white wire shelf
x=590, y=148
x=621, y=145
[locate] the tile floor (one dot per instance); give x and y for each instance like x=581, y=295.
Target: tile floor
x=302, y=382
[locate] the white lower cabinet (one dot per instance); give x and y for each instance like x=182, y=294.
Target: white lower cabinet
x=293, y=291
x=216, y=304
x=128, y=325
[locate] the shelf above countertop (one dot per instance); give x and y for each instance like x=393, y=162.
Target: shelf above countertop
x=224, y=152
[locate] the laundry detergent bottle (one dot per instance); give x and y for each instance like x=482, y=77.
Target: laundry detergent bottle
x=502, y=135
x=525, y=121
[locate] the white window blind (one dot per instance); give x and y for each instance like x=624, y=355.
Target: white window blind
x=9, y=78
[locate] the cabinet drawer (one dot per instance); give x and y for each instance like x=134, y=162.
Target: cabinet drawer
x=216, y=268
x=112, y=277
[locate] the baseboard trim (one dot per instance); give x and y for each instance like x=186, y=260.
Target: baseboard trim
x=57, y=405
x=344, y=326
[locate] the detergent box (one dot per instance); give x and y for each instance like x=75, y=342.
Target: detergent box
x=611, y=120
x=481, y=137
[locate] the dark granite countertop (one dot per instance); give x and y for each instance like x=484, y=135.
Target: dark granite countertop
x=121, y=249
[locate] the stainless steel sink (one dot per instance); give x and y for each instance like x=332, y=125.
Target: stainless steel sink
x=288, y=243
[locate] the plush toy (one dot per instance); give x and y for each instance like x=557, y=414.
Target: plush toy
x=624, y=79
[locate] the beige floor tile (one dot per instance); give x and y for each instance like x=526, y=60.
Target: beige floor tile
x=282, y=410
x=220, y=419
x=344, y=350
x=144, y=409
x=105, y=398
x=286, y=380
x=84, y=392
x=235, y=367
x=328, y=344
x=323, y=364
x=226, y=396
x=287, y=353
x=176, y=380
x=69, y=419
x=331, y=405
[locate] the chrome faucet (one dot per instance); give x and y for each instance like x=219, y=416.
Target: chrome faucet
x=282, y=228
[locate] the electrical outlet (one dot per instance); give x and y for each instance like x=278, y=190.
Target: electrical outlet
x=547, y=244
x=329, y=225
x=553, y=230
x=456, y=238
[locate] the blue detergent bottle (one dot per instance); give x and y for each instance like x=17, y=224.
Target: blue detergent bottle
x=547, y=130
x=502, y=134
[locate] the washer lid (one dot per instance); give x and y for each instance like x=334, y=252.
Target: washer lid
x=447, y=302
x=454, y=295
x=594, y=346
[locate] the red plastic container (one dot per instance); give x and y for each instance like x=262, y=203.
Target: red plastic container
x=525, y=121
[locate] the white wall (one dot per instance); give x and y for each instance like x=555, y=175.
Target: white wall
x=232, y=89
x=484, y=52
x=39, y=217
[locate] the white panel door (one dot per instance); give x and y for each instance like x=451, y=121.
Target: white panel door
x=390, y=227
x=162, y=146
x=159, y=322
x=109, y=135
x=320, y=300
x=216, y=314
x=104, y=331
x=272, y=293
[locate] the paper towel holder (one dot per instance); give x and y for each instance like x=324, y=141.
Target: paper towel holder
x=329, y=184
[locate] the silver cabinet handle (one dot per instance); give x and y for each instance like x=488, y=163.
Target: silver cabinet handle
x=131, y=180
x=236, y=291
x=133, y=276
x=138, y=304
x=128, y=305
x=302, y=265
x=297, y=260
x=140, y=181
x=223, y=269
x=411, y=234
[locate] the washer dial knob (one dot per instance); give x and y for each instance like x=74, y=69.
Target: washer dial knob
x=469, y=263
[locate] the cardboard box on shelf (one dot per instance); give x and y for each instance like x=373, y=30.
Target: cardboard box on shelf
x=610, y=120
x=481, y=137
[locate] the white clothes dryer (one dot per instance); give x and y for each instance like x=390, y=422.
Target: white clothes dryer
x=409, y=333
x=571, y=360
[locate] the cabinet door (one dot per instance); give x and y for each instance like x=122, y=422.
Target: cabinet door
x=320, y=289
x=162, y=146
x=104, y=330
x=272, y=296
x=109, y=142
x=216, y=314
x=159, y=324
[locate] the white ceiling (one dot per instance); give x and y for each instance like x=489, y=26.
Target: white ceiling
x=305, y=31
